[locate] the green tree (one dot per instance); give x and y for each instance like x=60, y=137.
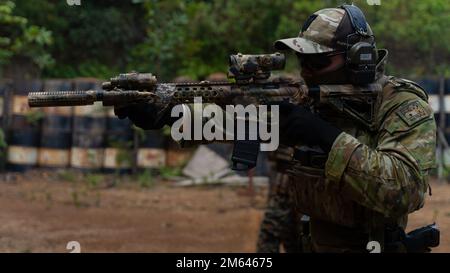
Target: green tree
x=194, y=37
x=166, y=25
x=20, y=38
x=91, y=40
x=416, y=32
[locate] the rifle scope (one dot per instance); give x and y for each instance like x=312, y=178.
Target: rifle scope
x=255, y=66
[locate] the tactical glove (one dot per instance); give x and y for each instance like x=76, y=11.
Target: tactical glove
x=146, y=116
x=298, y=125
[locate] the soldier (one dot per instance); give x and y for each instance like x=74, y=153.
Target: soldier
x=357, y=181
x=370, y=177
x=280, y=224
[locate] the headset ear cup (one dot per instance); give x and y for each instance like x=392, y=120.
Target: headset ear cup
x=361, y=57
x=361, y=63
x=362, y=52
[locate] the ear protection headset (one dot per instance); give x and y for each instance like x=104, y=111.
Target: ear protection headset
x=361, y=58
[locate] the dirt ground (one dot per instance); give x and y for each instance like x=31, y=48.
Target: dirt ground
x=43, y=211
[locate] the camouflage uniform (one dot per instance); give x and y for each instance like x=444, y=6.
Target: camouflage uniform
x=280, y=224
x=372, y=179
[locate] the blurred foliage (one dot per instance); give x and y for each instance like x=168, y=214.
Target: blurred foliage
x=91, y=40
x=146, y=179
x=416, y=32
x=3, y=143
x=168, y=172
x=68, y=175
x=34, y=117
x=124, y=155
x=93, y=180
x=194, y=37
x=20, y=38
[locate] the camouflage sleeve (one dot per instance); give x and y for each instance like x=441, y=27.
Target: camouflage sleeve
x=392, y=177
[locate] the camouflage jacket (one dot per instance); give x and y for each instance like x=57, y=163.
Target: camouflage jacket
x=372, y=178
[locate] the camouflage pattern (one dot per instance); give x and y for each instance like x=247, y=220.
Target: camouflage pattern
x=246, y=64
x=328, y=30
x=280, y=226
x=318, y=37
x=371, y=178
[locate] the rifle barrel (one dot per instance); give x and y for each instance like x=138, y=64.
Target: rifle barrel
x=62, y=98
x=75, y=98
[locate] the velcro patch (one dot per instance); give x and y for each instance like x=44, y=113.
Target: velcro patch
x=413, y=112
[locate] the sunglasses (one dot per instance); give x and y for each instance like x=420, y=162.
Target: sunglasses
x=317, y=61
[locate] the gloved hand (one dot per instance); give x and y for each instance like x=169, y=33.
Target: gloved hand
x=298, y=125
x=146, y=116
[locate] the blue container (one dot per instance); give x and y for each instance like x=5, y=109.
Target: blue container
x=119, y=154
x=24, y=131
x=89, y=126
x=431, y=85
x=56, y=131
x=151, y=153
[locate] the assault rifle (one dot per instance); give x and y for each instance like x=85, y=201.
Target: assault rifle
x=249, y=78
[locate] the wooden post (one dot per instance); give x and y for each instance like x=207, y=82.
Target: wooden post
x=7, y=101
x=134, y=162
